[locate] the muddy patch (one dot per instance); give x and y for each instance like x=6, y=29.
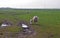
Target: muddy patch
x=28, y=34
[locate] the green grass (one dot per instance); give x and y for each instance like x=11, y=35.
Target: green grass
x=49, y=21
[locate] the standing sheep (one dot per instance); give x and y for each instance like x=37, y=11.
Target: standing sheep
x=34, y=19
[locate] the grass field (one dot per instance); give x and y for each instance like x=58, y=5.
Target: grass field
x=49, y=21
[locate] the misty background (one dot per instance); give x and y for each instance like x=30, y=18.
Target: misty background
x=30, y=3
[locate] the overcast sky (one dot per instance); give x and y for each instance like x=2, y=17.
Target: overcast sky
x=30, y=3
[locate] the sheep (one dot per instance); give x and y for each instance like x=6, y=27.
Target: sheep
x=4, y=25
x=34, y=19
x=24, y=26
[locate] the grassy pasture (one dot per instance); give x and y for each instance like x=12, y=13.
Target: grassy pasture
x=49, y=21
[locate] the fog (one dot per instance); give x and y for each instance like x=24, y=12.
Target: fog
x=30, y=3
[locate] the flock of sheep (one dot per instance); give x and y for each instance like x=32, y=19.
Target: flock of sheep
x=24, y=26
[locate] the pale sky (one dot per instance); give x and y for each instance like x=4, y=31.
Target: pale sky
x=30, y=3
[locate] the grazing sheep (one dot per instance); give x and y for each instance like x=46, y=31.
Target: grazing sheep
x=34, y=19
x=24, y=26
x=6, y=23
x=3, y=25
x=26, y=29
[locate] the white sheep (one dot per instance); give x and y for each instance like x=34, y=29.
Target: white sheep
x=24, y=26
x=34, y=19
x=4, y=25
